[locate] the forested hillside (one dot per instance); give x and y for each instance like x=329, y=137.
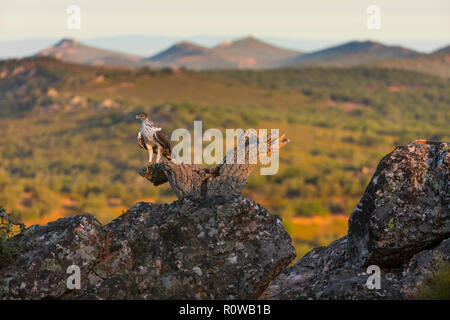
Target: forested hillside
x=68, y=134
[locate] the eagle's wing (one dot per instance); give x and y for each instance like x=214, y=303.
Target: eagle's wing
x=141, y=141
x=162, y=139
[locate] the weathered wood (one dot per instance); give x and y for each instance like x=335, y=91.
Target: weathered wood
x=193, y=182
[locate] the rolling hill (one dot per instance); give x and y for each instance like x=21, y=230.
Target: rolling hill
x=352, y=53
x=445, y=50
x=191, y=56
x=245, y=53
x=70, y=50
x=250, y=52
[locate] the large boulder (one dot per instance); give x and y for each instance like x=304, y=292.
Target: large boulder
x=401, y=225
x=405, y=208
x=219, y=248
x=216, y=249
x=423, y=264
x=326, y=273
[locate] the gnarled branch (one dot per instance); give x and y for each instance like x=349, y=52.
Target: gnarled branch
x=228, y=178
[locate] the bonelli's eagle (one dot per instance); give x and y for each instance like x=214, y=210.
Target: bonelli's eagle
x=153, y=138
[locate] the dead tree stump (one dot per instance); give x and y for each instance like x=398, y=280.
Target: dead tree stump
x=228, y=178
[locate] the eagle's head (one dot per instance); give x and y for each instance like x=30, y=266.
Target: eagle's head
x=142, y=116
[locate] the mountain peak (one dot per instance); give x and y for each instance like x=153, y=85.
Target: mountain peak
x=187, y=45
x=66, y=42
x=245, y=43
x=363, y=42
x=250, y=52
x=248, y=40
x=225, y=44
x=360, y=46
x=192, y=55
x=70, y=50
x=373, y=47
x=179, y=49
x=355, y=53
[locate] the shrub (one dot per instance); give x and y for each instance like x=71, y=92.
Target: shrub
x=313, y=208
x=8, y=228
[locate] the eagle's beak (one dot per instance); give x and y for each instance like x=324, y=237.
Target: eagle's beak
x=137, y=116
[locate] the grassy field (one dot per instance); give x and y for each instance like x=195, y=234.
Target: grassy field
x=67, y=135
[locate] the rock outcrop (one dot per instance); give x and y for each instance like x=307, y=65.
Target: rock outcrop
x=42, y=255
x=405, y=207
x=401, y=225
x=210, y=244
x=223, y=248
x=229, y=247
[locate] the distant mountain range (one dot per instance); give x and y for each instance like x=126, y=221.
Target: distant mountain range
x=252, y=53
x=243, y=53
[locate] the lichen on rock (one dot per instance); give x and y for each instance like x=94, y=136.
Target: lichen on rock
x=401, y=225
x=222, y=248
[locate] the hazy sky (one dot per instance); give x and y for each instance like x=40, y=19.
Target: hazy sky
x=401, y=21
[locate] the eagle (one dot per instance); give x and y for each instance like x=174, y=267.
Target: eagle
x=153, y=138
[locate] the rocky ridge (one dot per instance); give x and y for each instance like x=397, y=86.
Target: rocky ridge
x=229, y=247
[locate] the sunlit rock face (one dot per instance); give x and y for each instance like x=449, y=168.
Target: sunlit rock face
x=229, y=247
x=405, y=207
x=401, y=226
x=222, y=248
